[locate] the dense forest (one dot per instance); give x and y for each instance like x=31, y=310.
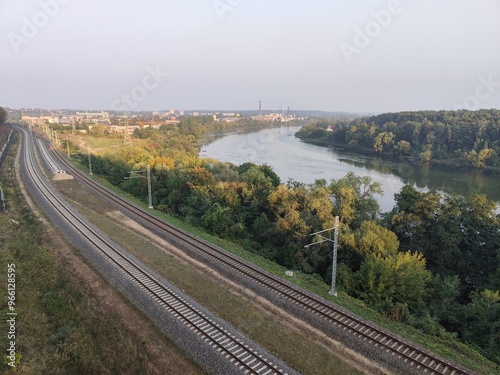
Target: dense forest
x=432, y=262
x=466, y=138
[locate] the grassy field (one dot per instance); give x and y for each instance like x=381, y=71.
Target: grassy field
x=100, y=145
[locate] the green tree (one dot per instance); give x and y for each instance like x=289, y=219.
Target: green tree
x=217, y=220
x=99, y=130
x=383, y=141
x=291, y=229
x=371, y=238
x=441, y=300
x=457, y=235
x=354, y=198
x=388, y=282
x=3, y=116
x=403, y=147
x=478, y=159
x=481, y=323
x=470, y=137
x=426, y=155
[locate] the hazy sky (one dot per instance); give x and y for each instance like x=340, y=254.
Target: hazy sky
x=334, y=55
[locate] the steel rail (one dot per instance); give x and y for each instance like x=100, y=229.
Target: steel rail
x=53, y=167
x=410, y=353
x=240, y=354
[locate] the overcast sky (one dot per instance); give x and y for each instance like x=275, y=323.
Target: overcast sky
x=333, y=55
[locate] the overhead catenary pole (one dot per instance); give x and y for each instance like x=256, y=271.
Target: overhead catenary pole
x=90, y=161
x=333, y=291
x=138, y=174
x=149, y=187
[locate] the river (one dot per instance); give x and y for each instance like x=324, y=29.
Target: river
x=293, y=159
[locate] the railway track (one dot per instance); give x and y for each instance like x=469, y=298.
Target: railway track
x=235, y=350
x=52, y=165
x=419, y=359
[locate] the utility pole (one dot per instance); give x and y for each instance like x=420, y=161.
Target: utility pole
x=137, y=174
x=333, y=291
x=90, y=161
x=126, y=136
x=334, y=255
x=150, y=198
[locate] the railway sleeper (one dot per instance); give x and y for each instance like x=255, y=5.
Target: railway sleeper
x=245, y=360
x=395, y=343
x=182, y=311
x=399, y=347
x=424, y=360
x=238, y=352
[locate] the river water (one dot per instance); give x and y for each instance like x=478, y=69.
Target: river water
x=293, y=159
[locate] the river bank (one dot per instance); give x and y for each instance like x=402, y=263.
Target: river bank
x=455, y=163
x=294, y=159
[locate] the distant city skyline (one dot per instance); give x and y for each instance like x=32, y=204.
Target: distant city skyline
x=355, y=57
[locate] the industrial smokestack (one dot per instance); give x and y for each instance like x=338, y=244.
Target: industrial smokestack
x=260, y=107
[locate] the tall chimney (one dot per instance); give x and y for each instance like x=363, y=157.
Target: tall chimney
x=260, y=108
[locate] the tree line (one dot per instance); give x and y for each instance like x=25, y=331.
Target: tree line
x=433, y=261
x=3, y=116
x=467, y=138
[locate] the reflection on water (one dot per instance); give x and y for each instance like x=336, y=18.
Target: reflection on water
x=293, y=159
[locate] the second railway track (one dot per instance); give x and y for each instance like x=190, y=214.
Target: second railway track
x=421, y=360
x=236, y=351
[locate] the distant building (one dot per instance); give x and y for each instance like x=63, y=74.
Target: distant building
x=272, y=116
x=121, y=128
x=230, y=119
x=39, y=120
x=269, y=117
x=90, y=115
